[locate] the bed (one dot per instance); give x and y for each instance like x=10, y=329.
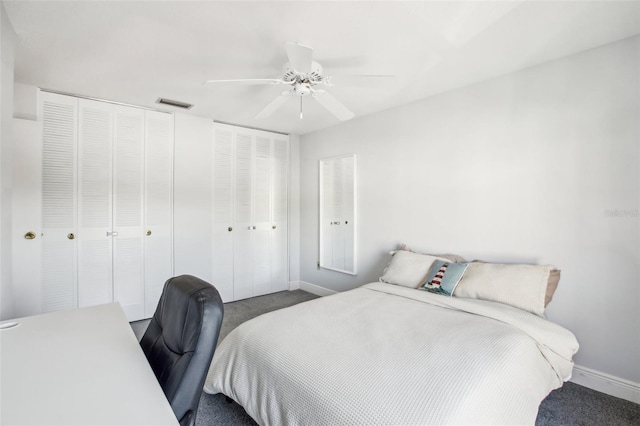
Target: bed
x=389, y=354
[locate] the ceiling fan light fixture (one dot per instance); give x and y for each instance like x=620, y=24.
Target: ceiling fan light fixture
x=303, y=89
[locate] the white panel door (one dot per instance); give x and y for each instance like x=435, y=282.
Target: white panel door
x=158, y=189
x=27, y=217
x=243, y=228
x=95, y=269
x=279, y=231
x=128, y=231
x=223, y=223
x=261, y=228
x=59, y=201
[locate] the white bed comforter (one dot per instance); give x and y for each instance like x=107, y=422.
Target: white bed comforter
x=384, y=354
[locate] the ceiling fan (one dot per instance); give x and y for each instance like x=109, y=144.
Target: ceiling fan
x=302, y=74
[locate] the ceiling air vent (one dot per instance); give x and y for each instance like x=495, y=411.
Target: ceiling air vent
x=172, y=103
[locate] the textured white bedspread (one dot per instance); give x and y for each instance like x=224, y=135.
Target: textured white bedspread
x=385, y=354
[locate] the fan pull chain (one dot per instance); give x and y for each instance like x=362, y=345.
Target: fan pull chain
x=300, y=107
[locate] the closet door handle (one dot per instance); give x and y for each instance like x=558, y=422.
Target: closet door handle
x=252, y=228
x=71, y=235
x=229, y=229
x=273, y=227
x=29, y=235
x=148, y=232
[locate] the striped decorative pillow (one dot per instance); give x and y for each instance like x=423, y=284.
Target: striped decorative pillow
x=444, y=277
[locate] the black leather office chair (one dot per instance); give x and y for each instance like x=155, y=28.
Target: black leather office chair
x=180, y=341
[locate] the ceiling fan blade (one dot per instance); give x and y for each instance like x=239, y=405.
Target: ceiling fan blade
x=364, y=80
x=334, y=106
x=274, y=105
x=352, y=61
x=299, y=57
x=247, y=81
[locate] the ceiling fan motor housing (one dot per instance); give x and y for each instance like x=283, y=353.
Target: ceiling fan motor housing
x=311, y=78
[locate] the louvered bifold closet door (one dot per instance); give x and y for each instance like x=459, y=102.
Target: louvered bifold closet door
x=262, y=223
x=223, y=223
x=128, y=231
x=338, y=215
x=243, y=221
x=158, y=189
x=59, y=201
x=94, y=203
x=348, y=213
x=280, y=206
x=326, y=214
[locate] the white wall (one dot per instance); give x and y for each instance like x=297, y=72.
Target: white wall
x=524, y=168
x=192, y=224
x=6, y=164
x=25, y=101
x=294, y=212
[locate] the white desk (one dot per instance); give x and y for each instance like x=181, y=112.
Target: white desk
x=78, y=367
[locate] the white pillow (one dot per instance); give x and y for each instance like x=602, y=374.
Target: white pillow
x=452, y=257
x=408, y=269
x=522, y=286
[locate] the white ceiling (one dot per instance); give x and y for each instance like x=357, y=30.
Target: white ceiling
x=136, y=51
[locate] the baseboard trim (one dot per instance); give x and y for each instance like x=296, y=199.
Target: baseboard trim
x=315, y=289
x=294, y=285
x=606, y=383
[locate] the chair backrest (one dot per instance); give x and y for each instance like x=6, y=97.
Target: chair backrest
x=181, y=339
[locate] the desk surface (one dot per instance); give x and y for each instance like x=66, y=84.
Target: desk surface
x=78, y=367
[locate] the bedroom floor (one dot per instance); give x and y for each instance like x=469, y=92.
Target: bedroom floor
x=570, y=405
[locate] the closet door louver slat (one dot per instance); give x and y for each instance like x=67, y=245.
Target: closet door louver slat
x=327, y=213
x=338, y=215
x=243, y=232
x=261, y=246
x=347, y=215
x=95, y=266
x=59, y=201
x=128, y=190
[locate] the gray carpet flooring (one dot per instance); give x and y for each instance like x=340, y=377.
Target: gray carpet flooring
x=571, y=405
